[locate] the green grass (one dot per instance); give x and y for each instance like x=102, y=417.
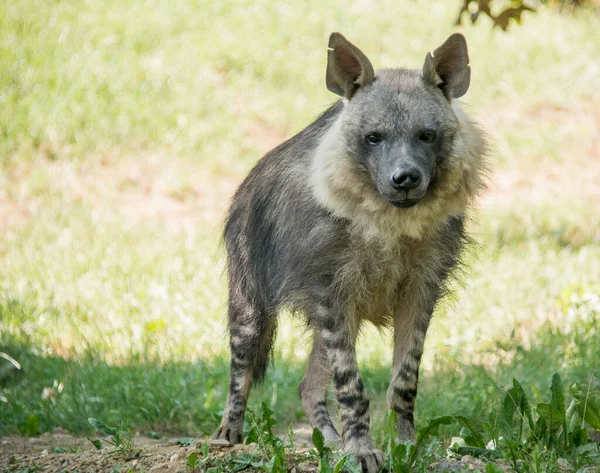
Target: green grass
x=124, y=128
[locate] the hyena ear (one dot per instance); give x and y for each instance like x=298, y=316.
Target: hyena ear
x=448, y=67
x=348, y=68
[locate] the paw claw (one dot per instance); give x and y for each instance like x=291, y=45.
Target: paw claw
x=226, y=436
x=371, y=461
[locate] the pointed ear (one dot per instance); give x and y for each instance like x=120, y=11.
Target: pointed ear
x=448, y=67
x=348, y=68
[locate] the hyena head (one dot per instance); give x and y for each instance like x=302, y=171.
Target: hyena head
x=401, y=143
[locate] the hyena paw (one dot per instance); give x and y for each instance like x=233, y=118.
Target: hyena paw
x=226, y=435
x=371, y=461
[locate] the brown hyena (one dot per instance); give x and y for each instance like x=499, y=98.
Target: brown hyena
x=359, y=217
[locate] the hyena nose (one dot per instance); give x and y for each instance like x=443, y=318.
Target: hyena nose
x=405, y=180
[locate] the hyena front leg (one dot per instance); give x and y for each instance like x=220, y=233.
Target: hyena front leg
x=410, y=328
x=251, y=333
x=339, y=345
x=313, y=390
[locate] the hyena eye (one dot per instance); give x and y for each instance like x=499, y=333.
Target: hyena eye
x=374, y=138
x=427, y=136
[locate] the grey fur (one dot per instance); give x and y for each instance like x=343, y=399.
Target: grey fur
x=325, y=226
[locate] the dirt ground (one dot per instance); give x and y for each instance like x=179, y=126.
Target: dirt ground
x=60, y=452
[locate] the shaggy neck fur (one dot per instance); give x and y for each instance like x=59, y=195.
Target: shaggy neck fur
x=341, y=188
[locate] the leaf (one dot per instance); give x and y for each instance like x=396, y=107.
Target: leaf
x=478, y=452
x=558, y=402
x=31, y=427
x=551, y=415
x=267, y=418
x=391, y=429
x=515, y=401
x=476, y=439
x=252, y=436
x=276, y=465
x=590, y=451
x=399, y=459
x=191, y=461
x=340, y=465
x=186, y=441
x=492, y=468
x=587, y=405
x=102, y=427
x=577, y=436
x=318, y=440
x=97, y=443
x=524, y=406
x=430, y=429
x=558, y=394
x=153, y=435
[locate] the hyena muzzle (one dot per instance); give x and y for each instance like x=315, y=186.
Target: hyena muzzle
x=359, y=217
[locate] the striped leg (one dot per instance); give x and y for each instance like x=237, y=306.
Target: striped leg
x=409, y=336
x=313, y=390
x=251, y=337
x=338, y=343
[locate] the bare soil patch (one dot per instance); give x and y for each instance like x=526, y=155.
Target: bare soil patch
x=60, y=452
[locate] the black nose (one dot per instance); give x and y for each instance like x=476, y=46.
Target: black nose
x=405, y=180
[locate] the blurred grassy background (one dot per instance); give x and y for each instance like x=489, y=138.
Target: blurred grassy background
x=126, y=126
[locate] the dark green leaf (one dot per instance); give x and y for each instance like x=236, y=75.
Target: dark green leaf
x=192, y=459
x=102, y=427
x=430, y=429
x=97, y=443
x=478, y=452
x=551, y=415
x=340, y=465
x=492, y=468
x=476, y=439
x=558, y=394
x=587, y=405
x=31, y=427
x=577, y=436
x=318, y=440
x=399, y=459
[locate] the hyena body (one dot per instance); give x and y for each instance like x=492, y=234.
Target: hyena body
x=359, y=217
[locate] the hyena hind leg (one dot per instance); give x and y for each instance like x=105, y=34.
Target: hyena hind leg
x=251, y=338
x=313, y=390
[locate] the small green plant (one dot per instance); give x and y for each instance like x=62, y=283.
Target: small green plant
x=271, y=446
x=528, y=436
x=326, y=456
x=119, y=439
x=192, y=462
x=30, y=427
x=406, y=457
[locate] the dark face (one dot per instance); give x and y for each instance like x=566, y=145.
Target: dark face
x=400, y=129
